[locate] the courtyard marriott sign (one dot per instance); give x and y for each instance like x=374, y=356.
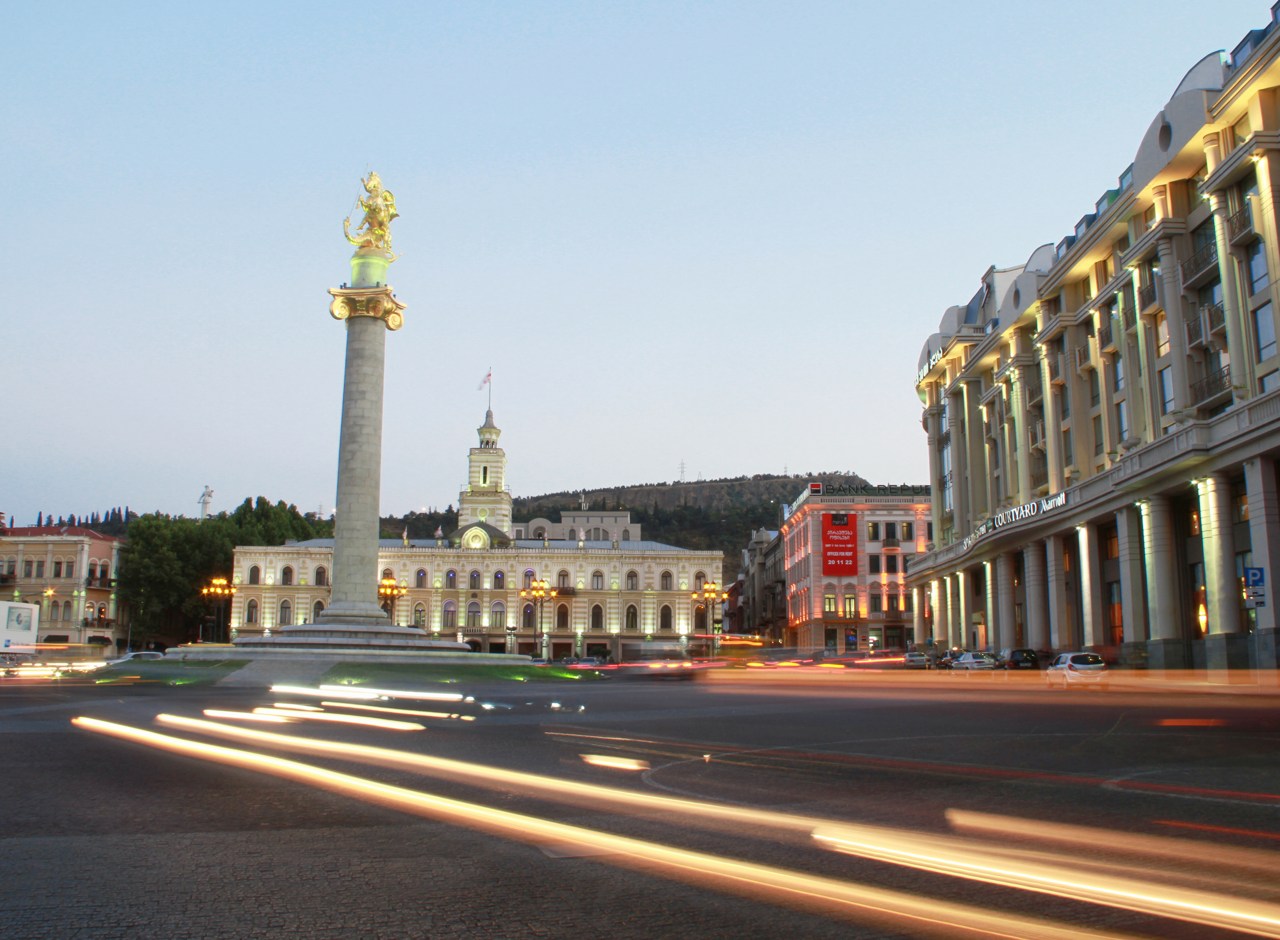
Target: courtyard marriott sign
x=1031, y=510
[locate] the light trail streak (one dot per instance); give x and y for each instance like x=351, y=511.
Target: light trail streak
x=398, y=693
x=1226, y=830
x=614, y=763
x=280, y=719
x=975, y=861
x=386, y=709
x=746, y=878
x=343, y=692
x=368, y=721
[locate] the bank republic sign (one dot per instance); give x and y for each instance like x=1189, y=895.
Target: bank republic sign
x=839, y=543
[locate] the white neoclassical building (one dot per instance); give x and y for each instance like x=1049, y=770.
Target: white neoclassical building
x=614, y=591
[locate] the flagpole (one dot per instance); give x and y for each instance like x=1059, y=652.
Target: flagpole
x=491, y=388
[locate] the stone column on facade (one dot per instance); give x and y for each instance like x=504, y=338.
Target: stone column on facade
x=1006, y=614
x=1090, y=586
x=917, y=615
x=1264, y=538
x=988, y=637
x=936, y=587
x=1061, y=635
x=964, y=594
x=1225, y=646
x=1133, y=596
x=1175, y=311
x=1165, y=648
x=1019, y=454
x=1037, y=605
x=960, y=506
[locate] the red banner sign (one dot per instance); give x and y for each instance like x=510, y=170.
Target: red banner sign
x=839, y=543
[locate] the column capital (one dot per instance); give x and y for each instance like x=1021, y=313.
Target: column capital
x=378, y=303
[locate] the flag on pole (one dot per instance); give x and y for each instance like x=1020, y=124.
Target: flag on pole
x=405, y=537
x=488, y=377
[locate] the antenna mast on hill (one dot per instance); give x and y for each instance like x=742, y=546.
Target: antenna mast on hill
x=682, y=471
x=205, y=499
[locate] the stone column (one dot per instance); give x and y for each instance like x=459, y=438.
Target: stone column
x=1165, y=648
x=1225, y=646
x=1133, y=596
x=1264, y=537
x=1037, y=606
x=917, y=615
x=937, y=601
x=989, y=637
x=1006, y=615
x=1090, y=585
x=1061, y=636
x=964, y=611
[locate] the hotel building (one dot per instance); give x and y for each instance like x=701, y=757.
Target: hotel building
x=1103, y=421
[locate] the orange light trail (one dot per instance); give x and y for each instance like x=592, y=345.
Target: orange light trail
x=747, y=878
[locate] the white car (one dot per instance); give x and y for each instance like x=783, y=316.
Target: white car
x=1076, y=669
x=136, y=656
x=969, y=662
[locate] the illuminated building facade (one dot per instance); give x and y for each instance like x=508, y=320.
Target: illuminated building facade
x=845, y=553
x=613, y=589
x=69, y=571
x=1104, y=421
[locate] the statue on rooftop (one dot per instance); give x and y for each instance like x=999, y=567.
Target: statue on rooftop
x=374, y=230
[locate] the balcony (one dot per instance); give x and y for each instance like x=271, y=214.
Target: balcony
x=1213, y=386
x=889, y=542
x=1216, y=317
x=1039, y=476
x=1240, y=230
x=1082, y=358
x=1055, y=368
x=1195, y=331
x=1146, y=299
x=1200, y=267
x=1037, y=435
x=1106, y=339
x=1035, y=388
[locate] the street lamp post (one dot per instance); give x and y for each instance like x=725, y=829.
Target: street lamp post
x=539, y=591
x=217, y=590
x=709, y=595
x=390, y=592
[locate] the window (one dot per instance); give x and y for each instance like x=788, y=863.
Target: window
x=562, y=617
x=449, y=618
x=1097, y=435
x=873, y=531
x=286, y=575
x=829, y=604
x=527, y=617
x=473, y=581
x=597, y=581
x=322, y=577
x=562, y=579
x=875, y=604
x=666, y=581
x=891, y=530
x=1162, y=335
x=1095, y=388
x=451, y=579
x=420, y=579
x=473, y=616
x=40, y=569
x=1122, y=421
x=71, y=569
x=1257, y=262
x=1269, y=382
x=891, y=564
x=528, y=579
x=597, y=618
x=286, y=613
x=633, y=581
x=498, y=617
x=1264, y=331
x=499, y=581
x=251, y=612
x=907, y=603
x=908, y=531
x=1165, y=377
x=633, y=619
x=57, y=569
x=873, y=564
x=255, y=575
x=419, y=615
x=316, y=610
x=664, y=619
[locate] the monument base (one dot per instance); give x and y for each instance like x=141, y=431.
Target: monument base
x=348, y=636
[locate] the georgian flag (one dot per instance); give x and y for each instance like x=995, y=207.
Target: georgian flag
x=488, y=377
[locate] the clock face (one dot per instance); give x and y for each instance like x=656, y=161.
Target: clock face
x=475, y=540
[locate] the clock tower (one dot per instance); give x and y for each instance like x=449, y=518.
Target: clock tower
x=485, y=498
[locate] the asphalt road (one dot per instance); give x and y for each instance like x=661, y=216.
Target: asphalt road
x=106, y=837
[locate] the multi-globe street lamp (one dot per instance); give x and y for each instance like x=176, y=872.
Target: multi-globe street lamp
x=539, y=591
x=390, y=591
x=712, y=599
x=217, y=590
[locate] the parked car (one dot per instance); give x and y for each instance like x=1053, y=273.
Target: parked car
x=1018, y=659
x=915, y=660
x=1077, y=669
x=949, y=656
x=971, y=662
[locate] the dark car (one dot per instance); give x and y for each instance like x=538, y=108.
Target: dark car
x=1019, y=659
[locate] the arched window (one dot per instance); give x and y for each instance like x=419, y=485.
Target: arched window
x=286, y=613
x=597, y=580
x=526, y=618
x=251, y=610
x=286, y=575
x=420, y=579
x=562, y=617
x=562, y=579
x=317, y=609
x=55, y=611
x=255, y=574
x=93, y=570
x=698, y=580
x=387, y=573
x=322, y=577
x=539, y=533
x=451, y=579
x=626, y=535
x=597, y=618
x=498, y=617
x=104, y=571
x=449, y=620
x=473, y=616
x=700, y=619
x=573, y=533
x=666, y=580
x=664, y=619
x=633, y=619
x=419, y=615
x=473, y=581
x=499, y=581
x=633, y=581
x=528, y=578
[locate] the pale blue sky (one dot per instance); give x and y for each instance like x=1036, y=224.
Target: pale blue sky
x=715, y=234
